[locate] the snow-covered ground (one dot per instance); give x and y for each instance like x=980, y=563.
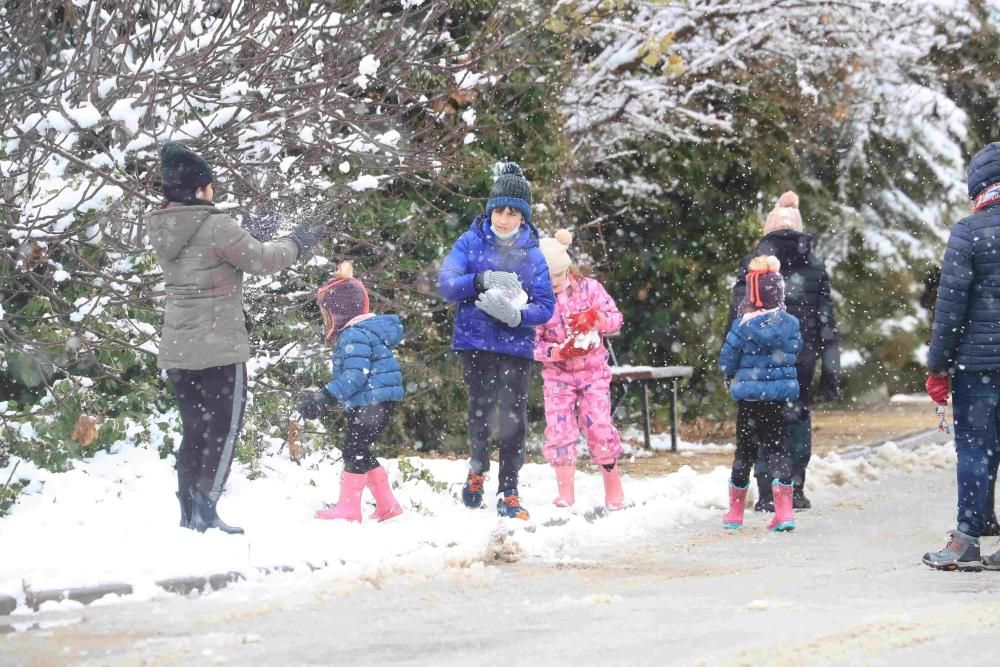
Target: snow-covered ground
x=847, y=587
x=113, y=519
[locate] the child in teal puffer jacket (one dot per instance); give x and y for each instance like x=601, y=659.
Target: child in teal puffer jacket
x=368, y=382
x=758, y=358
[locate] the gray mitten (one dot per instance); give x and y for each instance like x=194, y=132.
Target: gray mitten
x=307, y=235
x=504, y=280
x=500, y=308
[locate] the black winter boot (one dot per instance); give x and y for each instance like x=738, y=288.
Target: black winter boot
x=799, y=500
x=184, y=498
x=204, y=515
x=765, y=497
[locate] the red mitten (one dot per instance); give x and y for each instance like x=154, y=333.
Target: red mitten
x=585, y=321
x=938, y=388
x=569, y=350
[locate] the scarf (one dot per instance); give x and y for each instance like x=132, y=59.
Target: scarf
x=987, y=197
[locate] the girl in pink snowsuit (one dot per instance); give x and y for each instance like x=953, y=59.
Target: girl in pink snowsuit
x=576, y=374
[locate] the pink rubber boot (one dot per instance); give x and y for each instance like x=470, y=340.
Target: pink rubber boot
x=564, y=478
x=784, y=515
x=386, y=505
x=614, y=497
x=733, y=519
x=348, y=507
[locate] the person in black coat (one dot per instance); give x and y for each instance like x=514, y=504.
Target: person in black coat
x=964, y=359
x=807, y=298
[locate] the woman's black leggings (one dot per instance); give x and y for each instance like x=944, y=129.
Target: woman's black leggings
x=211, y=402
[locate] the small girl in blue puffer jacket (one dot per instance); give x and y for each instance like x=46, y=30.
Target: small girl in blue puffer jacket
x=758, y=357
x=367, y=381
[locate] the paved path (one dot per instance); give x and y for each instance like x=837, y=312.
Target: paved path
x=847, y=588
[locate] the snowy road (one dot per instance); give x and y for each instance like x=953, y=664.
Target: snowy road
x=847, y=588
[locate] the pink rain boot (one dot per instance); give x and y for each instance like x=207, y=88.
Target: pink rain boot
x=348, y=508
x=784, y=516
x=733, y=519
x=386, y=506
x=564, y=478
x=614, y=498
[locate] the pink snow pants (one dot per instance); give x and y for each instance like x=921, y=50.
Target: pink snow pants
x=574, y=402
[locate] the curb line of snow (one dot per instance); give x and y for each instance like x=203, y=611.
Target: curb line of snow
x=179, y=585
x=186, y=585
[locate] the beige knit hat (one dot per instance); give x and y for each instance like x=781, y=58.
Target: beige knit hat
x=554, y=250
x=785, y=214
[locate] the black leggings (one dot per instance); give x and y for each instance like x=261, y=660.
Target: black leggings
x=760, y=425
x=364, y=426
x=498, y=403
x=211, y=402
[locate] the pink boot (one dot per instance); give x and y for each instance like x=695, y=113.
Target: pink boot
x=348, y=508
x=564, y=478
x=784, y=516
x=737, y=503
x=386, y=506
x=614, y=498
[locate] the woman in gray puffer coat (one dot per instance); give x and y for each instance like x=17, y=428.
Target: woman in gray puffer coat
x=204, y=346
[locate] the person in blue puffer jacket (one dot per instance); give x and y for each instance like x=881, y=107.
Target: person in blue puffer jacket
x=759, y=357
x=498, y=278
x=367, y=381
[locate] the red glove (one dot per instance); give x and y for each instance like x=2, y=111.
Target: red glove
x=938, y=388
x=585, y=321
x=569, y=350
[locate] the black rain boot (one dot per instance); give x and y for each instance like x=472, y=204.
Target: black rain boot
x=765, y=496
x=204, y=515
x=799, y=500
x=184, y=498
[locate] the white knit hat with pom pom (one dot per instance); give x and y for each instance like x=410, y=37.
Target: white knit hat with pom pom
x=554, y=250
x=785, y=214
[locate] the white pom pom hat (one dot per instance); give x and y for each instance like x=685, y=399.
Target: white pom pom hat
x=554, y=250
x=785, y=214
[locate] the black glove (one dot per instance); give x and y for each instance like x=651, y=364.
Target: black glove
x=263, y=225
x=829, y=379
x=315, y=404
x=307, y=235
x=830, y=388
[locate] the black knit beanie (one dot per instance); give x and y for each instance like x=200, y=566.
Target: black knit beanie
x=183, y=171
x=510, y=189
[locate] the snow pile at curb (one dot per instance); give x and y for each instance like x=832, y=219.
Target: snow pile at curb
x=837, y=470
x=113, y=518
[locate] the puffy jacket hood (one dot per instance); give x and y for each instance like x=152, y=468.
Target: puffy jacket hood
x=171, y=228
x=793, y=249
x=527, y=236
x=388, y=328
x=984, y=169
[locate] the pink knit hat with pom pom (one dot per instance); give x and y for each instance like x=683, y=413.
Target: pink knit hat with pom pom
x=785, y=214
x=554, y=251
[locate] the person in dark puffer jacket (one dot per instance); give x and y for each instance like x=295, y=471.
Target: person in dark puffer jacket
x=759, y=356
x=964, y=359
x=368, y=382
x=808, y=298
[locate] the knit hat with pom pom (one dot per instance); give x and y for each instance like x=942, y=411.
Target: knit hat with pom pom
x=765, y=286
x=342, y=298
x=510, y=189
x=554, y=251
x=785, y=214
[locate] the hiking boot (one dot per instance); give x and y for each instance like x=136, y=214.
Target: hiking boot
x=961, y=553
x=509, y=506
x=764, y=505
x=472, y=492
x=799, y=500
x=992, y=562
